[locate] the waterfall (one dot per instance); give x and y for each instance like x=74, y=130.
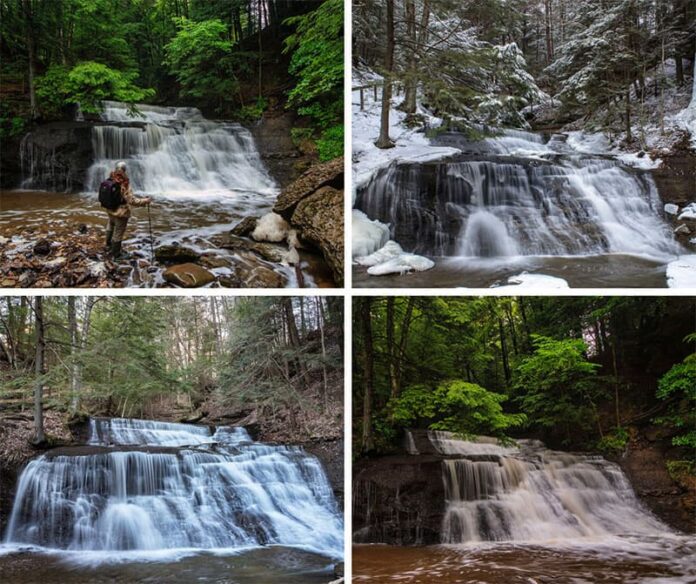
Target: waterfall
x=144, y=485
x=176, y=151
x=516, y=195
x=527, y=492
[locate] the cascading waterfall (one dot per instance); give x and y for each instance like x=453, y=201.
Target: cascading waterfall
x=527, y=492
x=144, y=485
x=175, y=150
x=515, y=195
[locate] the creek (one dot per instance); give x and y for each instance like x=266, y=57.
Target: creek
x=204, y=177
x=165, y=501
x=514, y=513
x=522, y=202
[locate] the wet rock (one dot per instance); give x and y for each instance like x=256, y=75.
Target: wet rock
x=43, y=247
x=326, y=174
x=254, y=274
x=319, y=218
x=188, y=275
x=214, y=261
x=244, y=227
x=339, y=570
x=269, y=251
x=682, y=230
x=176, y=254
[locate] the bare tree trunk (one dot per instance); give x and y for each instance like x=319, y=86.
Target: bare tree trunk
x=368, y=375
x=39, y=436
x=74, y=367
x=323, y=355
x=549, y=36
x=31, y=55
x=384, y=141
x=391, y=349
x=405, y=326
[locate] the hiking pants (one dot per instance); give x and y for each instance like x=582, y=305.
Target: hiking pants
x=117, y=227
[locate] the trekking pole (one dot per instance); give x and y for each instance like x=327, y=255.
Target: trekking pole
x=152, y=240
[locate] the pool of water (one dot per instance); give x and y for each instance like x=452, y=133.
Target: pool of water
x=614, y=560
x=271, y=565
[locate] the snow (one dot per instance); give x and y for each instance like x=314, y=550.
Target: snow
x=390, y=251
x=368, y=235
x=688, y=212
x=271, y=227
x=403, y=263
x=671, y=209
x=597, y=143
x=411, y=144
x=542, y=281
x=681, y=273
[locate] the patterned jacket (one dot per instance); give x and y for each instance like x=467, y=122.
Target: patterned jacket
x=129, y=199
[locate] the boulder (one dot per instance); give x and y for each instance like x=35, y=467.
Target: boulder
x=176, y=254
x=325, y=174
x=682, y=230
x=271, y=252
x=254, y=274
x=244, y=227
x=319, y=218
x=43, y=247
x=188, y=275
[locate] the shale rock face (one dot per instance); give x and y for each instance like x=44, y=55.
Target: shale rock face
x=398, y=500
x=57, y=156
x=313, y=205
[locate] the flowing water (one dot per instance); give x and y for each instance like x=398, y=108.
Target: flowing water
x=519, y=202
x=204, y=178
x=152, y=491
x=524, y=513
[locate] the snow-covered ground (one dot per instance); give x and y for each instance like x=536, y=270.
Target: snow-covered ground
x=371, y=245
x=681, y=273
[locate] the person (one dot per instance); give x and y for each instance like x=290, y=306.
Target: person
x=118, y=218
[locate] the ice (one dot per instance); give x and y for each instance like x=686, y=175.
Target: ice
x=368, y=235
x=688, y=212
x=526, y=280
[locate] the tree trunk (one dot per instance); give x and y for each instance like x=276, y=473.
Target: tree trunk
x=411, y=84
x=384, y=141
x=39, y=437
x=368, y=376
x=629, y=134
x=391, y=349
x=549, y=36
x=405, y=326
x=31, y=56
x=74, y=366
x=323, y=355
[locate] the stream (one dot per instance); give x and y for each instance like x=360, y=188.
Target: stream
x=522, y=202
x=522, y=513
x=148, y=501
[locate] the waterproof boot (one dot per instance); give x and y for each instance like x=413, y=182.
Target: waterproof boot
x=117, y=253
x=109, y=235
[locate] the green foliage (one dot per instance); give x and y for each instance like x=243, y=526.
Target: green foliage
x=678, y=386
x=330, y=145
x=251, y=113
x=88, y=84
x=556, y=382
x=300, y=135
x=615, y=441
x=678, y=469
x=201, y=58
x=317, y=62
x=455, y=406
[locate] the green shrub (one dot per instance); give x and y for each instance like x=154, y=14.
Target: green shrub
x=330, y=145
x=615, y=441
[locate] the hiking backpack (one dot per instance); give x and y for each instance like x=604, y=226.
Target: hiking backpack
x=110, y=194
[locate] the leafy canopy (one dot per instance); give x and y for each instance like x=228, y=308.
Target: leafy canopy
x=455, y=406
x=88, y=83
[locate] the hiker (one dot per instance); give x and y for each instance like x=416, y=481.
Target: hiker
x=119, y=215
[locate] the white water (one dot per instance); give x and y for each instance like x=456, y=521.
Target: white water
x=516, y=195
x=529, y=493
x=176, y=152
x=225, y=493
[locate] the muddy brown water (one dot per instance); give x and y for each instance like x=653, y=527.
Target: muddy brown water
x=619, y=560
x=272, y=565
x=187, y=221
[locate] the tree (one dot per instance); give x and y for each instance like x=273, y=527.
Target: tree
x=384, y=141
x=557, y=384
x=368, y=375
x=39, y=436
x=455, y=406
